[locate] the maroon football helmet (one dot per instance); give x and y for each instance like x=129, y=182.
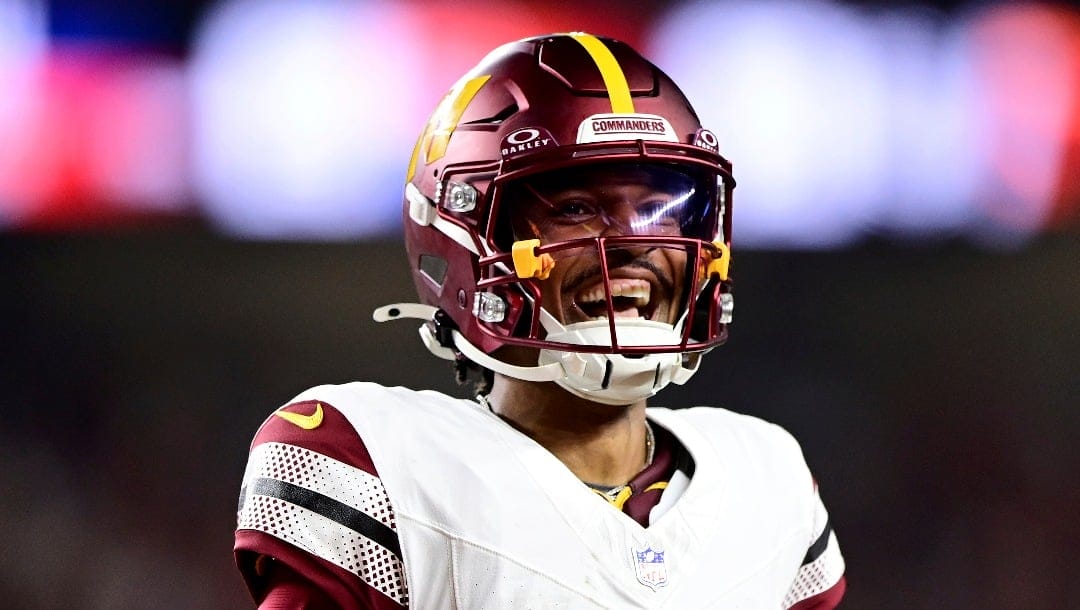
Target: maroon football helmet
x=519, y=176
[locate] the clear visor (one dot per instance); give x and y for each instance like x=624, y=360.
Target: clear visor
x=617, y=250
x=609, y=200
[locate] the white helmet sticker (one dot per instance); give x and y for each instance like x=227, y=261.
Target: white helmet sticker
x=612, y=127
x=707, y=140
x=526, y=140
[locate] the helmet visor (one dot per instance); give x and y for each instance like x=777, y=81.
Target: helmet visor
x=610, y=200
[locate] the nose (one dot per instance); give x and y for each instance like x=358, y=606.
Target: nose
x=619, y=219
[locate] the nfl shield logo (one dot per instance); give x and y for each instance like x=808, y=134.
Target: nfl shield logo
x=650, y=567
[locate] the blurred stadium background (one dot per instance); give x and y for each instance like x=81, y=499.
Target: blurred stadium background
x=199, y=208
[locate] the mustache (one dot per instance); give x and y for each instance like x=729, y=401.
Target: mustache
x=577, y=280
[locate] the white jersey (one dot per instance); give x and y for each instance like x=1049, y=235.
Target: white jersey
x=484, y=517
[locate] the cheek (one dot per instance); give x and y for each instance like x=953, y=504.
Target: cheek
x=551, y=292
x=678, y=272
x=675, y=261
x=553, y=298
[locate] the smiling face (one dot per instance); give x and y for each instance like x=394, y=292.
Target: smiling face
x=646, y=281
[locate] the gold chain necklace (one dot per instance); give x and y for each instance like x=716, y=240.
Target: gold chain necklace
x=619, y=494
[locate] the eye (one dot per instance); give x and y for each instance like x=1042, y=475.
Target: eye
x=573, y=210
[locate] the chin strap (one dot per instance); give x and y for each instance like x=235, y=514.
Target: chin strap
x=583, y=374
x=439, y=345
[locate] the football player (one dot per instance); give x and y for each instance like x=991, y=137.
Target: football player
x=568, y=225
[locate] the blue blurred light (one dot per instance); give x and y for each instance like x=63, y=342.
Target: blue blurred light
x=23, y=43
x=932, y=134
x=299, y=113
x=796, y=92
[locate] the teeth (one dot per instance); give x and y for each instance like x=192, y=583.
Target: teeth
x=639, y=290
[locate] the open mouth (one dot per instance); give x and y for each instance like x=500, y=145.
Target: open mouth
x=631, y=298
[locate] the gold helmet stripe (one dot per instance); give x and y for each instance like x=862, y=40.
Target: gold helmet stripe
x=444, y=121
x=614, y=79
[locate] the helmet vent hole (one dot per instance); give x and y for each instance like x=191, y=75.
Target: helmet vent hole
x=496, y=118
x=434, y=268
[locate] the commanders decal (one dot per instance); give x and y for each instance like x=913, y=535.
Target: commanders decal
x=613, y=127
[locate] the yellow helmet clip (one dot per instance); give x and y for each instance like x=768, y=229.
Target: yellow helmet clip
x=527, y=263
x=718, y=266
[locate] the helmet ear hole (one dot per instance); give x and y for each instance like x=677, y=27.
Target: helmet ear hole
x=434, y=268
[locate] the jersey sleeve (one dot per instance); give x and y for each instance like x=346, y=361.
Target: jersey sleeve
x=819, y=584
x=314, y=523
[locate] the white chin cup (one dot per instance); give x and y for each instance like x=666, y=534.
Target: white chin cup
x=616, y=379
x=611, y=379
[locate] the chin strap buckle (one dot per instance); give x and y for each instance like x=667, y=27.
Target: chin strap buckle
x=444, y=329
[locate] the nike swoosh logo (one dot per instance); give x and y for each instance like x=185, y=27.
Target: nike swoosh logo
x=307, y=422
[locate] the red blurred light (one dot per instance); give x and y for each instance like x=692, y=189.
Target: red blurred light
x=1028, y=59
x=94, y=141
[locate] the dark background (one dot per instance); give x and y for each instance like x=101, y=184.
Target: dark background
x=933, y=388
